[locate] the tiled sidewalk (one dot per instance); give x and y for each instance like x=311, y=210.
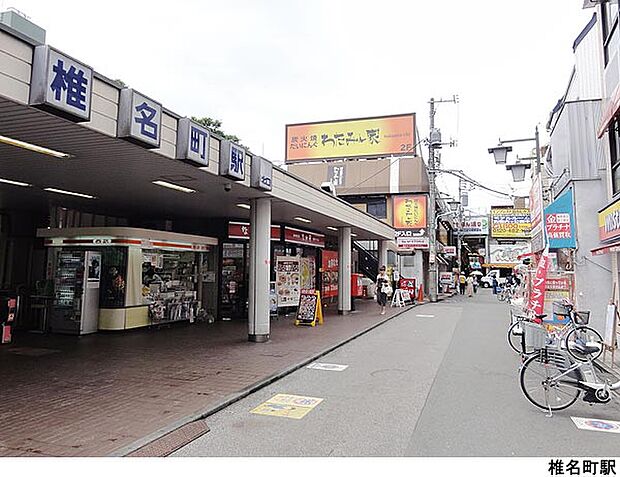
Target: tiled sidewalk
x=103, y=394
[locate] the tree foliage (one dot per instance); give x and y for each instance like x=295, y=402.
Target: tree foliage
x=215, y=125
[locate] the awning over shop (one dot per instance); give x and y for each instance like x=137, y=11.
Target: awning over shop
x=605, y=249
x=610, y=112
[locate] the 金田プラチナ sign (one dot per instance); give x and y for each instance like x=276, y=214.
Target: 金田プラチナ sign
x=510, y=223
x=367, y=137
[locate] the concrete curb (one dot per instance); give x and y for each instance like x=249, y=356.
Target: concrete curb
x=208, y=411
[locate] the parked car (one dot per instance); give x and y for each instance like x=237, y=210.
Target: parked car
x=487, y=280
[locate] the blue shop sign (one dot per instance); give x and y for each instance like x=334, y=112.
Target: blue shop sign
x=560, y=222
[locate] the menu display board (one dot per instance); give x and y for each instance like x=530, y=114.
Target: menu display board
x=288, y=281
x=307, y=307
x=310, y=311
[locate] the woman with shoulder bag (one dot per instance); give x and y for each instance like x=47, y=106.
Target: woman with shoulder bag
x=383, y=288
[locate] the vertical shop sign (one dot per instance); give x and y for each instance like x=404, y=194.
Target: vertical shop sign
x=335, y=175
x=61, y=84
x=192, y=142
x=261, y=174
x=536, y=215
x=139, y=119
x=232, y=161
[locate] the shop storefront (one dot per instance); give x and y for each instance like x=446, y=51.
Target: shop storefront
x=119, y=278
x=295, y=258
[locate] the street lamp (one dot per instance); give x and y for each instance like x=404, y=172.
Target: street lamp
x=518, y=170
x=500, y=153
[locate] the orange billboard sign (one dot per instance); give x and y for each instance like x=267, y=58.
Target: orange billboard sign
x=367, y=137
x=409, y=212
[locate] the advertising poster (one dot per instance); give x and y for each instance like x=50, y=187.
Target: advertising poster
x=288, y=281
x=510, y=223
x=559, y=287
x=365, y=137
x=307, y=274
x=507, y=255
x=409, y=212
x=330, y=273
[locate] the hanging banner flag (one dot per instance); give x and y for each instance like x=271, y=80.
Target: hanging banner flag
x=539, y=285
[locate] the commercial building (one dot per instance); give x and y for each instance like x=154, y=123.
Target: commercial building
x=577, y=162
x=395, y=190
x=116, y=212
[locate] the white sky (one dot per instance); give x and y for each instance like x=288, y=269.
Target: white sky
x=258, y=65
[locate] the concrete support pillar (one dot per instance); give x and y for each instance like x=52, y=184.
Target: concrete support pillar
x=383, y=253
x=260, y=265
x=344, y=270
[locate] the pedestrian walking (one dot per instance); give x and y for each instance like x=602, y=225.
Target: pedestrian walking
x=470, y=286
x=383, y=288
x=462, y=283
x=475, y=284
x=495, y=285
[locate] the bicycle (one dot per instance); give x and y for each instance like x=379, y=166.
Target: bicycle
x=570, y=337
x=551, y=381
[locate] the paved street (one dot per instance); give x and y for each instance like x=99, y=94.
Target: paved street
x=438, y=380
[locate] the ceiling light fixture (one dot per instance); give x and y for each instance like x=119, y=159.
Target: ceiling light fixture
x=332, y=228
x=244, y=206
x=302, y=219
x=170, y=185
x=17, y=183
x=353, y=235
x=33, y=147
x=68, y=192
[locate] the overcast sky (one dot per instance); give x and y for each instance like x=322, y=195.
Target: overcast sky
x=258, y=65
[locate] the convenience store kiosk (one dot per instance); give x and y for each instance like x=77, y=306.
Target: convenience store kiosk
x=119, y=278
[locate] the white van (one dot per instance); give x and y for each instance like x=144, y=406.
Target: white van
x=487, y=280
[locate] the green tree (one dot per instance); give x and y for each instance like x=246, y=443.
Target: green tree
x=215, y=125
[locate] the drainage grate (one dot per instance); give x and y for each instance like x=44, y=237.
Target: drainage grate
x=173, y=441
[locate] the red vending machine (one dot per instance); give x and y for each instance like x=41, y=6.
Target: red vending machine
x=357, y=288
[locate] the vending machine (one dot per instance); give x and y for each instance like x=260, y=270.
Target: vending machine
x=77, y=276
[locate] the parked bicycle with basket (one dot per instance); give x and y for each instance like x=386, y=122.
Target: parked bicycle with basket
x=571, y=337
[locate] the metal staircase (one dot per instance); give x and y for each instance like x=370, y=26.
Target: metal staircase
x=368, y=263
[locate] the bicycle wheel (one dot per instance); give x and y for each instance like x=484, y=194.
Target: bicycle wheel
x=501, y=296
x=582, y=336
x=516, y=337
x=541, y=385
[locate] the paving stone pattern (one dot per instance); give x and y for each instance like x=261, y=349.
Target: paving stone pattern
x=100, y=393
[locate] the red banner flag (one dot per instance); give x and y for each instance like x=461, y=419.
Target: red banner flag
x=539, y=285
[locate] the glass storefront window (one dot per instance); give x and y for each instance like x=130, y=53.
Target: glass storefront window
x=113, y=277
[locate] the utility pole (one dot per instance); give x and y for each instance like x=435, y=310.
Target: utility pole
x=432, y=235
x=434, y=142
x=459, y=230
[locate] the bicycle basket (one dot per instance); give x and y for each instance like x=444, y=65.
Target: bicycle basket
x=582, y=317
x=535, y=336
x=560, y=308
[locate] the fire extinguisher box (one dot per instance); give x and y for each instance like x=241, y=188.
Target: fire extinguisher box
x=357, y=289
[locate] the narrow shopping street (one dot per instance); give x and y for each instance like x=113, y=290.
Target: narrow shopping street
x=438, y=380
